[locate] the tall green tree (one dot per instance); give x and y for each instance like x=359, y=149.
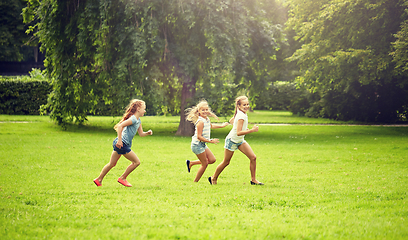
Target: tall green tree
x=212, y=46
x=95, y=53
x=163, y=51
x=12, y=31
x=345, y=57
x=400, y=47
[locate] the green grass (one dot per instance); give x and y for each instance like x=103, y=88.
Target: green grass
x=321, y=182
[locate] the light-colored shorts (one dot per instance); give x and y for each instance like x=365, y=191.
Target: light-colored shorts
x=232, y=146
x=198, y=148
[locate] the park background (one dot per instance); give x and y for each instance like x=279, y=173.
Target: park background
x=319, y=63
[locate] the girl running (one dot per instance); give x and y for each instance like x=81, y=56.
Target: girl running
x=199, y=116
x=126, y=129
x=235, y=140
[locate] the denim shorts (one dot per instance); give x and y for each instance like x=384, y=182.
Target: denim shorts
x=198, y=148
x=232, y=146
x=123, y=150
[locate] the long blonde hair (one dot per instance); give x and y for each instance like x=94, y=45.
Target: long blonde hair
x=238, y=101
x=131, y=109
x=192, y=113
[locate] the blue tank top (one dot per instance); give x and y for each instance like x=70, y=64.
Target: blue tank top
x=129, y=132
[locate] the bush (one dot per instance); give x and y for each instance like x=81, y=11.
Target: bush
x=284, y=96
x=24, y=94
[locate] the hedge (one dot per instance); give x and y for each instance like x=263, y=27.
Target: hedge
x=22, y=97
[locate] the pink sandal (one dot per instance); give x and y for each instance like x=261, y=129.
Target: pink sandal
x=96, y=181
x=124, y=182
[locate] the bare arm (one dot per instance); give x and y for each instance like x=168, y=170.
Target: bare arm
x=119, y=129
x=241, y=132
x=143, y=134
x=215, y=126
x=200, y=126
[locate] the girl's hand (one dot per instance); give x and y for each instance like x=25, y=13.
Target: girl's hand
x=255, y=128
x=150, y=132
x=225, y=124
x=215, y=141
x=119, y=144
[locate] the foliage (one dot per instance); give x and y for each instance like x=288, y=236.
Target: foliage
x=345, y=57
x=279, y=96
x=400, y=47
x=106, y=52
x=12, y=31
x=24, y=95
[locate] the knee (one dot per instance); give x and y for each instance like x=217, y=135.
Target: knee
x=111, y=165
x=227, y=162
x=136, y=163
x=252, y=158
x=211, y=161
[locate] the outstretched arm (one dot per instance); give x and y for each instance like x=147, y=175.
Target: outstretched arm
x=241, y=132
x=144, y=134
x=215, y=126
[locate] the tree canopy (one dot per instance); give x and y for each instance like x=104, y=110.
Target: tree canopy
x=167, y=52
x=351, y=55
x=12, y=32
x=346, y=57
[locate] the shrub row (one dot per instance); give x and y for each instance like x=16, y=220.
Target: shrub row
x=22, y=97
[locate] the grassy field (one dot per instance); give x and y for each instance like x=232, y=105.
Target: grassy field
x=321, y=182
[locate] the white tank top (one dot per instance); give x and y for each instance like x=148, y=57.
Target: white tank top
x=206, y=130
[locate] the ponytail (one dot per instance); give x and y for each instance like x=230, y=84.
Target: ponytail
x=131, y=109
x=238, y=101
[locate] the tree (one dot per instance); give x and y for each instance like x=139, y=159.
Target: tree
x=400, y=47
x=115, y=50
x=12, y=31
x=345, y=57
x=95, y=52
x=205, y=41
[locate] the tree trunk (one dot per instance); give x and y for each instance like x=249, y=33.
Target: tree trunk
x=186, y=128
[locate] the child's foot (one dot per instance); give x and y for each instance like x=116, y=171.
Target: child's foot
x=256, y=183
x=124, y=182
x=188, y=165
x=212, y=182
x=96, y=181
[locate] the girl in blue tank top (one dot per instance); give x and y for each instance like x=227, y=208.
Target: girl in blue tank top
x=126, y=129
x=199, y=116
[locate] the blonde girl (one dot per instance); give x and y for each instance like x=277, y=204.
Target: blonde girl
x=235, y=140
x=126, y=129
x=199, y=116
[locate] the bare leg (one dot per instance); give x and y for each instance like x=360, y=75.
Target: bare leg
x=247, y=150
x=131, y=156
x=113, y=160
x=227, y=158
x=204, y=163
x=210, y=158
x=196, y=162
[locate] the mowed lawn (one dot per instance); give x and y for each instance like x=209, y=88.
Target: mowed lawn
x=321, y=182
